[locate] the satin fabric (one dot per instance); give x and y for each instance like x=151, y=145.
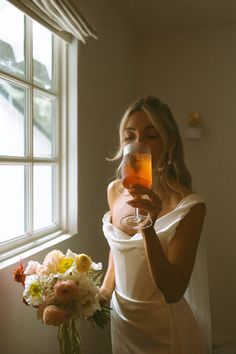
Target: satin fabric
x=141, y=321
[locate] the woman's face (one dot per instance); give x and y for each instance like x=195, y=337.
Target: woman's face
x=139, y=128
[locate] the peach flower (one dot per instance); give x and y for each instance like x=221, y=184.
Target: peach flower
x=33, y=268
x=66, y=290
x=53, y=315
x=51, y=262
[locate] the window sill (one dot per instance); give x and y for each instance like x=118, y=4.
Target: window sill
x=7, y=259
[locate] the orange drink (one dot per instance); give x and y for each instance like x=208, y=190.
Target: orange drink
x=137, y=169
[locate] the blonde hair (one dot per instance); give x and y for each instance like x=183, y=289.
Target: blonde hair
x=171, y=162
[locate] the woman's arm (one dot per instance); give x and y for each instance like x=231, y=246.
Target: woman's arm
x=172, y=272
x=108, y=284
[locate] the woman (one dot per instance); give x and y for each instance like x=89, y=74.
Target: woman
x=149, y=270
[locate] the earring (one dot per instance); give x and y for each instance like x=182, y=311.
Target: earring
x=160, y=169
x=169, y=162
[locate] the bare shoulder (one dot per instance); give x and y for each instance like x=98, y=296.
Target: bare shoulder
x=111, y=192
x=197, y=210
x=196, y=213
x=112, y=185
x=191, y=226
x=112, y=188
x=183, y=246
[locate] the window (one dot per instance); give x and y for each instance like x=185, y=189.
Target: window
x=32, y=170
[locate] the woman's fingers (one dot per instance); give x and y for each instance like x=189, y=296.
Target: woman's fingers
x=104, y=295
x=145, y=204
x=142, y=190
x=145, y=192
x=144, y=198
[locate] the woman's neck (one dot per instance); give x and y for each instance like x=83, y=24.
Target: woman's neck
x=171, y=192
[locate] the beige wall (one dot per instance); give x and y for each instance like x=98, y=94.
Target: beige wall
x=196, y=71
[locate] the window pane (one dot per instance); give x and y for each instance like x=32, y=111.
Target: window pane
x=12, y=202
x=12, y=119
x=42, y=59
x=11, y=39
x=44, y=196
x=44, y=126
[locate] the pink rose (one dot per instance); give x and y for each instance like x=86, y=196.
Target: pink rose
x=66, y=290
x=53, y=315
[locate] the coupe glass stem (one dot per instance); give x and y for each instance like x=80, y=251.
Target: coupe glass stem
x=136, y=215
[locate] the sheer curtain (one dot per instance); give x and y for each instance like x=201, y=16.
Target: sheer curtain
x=197, y=294
x=59, y=16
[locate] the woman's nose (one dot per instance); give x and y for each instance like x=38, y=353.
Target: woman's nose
x=139, y=139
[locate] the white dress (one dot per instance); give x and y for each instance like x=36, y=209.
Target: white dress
x=141, y=321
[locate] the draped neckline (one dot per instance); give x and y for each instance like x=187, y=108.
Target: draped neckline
x=107, y=217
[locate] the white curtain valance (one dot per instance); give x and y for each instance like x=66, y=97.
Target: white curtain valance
x=59, y=16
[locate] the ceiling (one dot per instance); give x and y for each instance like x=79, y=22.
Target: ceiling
x=157, y=15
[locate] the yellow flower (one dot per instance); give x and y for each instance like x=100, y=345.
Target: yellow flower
x=64, y=264
x=35, y=290
x=83, y=262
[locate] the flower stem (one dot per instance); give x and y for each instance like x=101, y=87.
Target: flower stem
x=69, y=337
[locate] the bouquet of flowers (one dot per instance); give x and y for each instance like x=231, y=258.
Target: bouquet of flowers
x=64, y=289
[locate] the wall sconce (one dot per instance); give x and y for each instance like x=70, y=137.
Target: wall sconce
x=194, y=130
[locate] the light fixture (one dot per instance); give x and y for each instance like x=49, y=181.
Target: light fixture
x=194, y=130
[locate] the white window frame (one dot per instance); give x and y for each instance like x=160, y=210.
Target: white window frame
x=68, y=91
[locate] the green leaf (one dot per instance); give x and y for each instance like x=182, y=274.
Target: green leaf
x=101, y=317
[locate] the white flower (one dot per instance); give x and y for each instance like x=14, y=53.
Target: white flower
x=96, y=266
x=33, y=292
x=88, y=306
x=71, y=254
x=87, y=302
x=86, y=285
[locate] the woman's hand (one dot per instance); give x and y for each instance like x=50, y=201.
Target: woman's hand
x=104, y=296
x=146, y=199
